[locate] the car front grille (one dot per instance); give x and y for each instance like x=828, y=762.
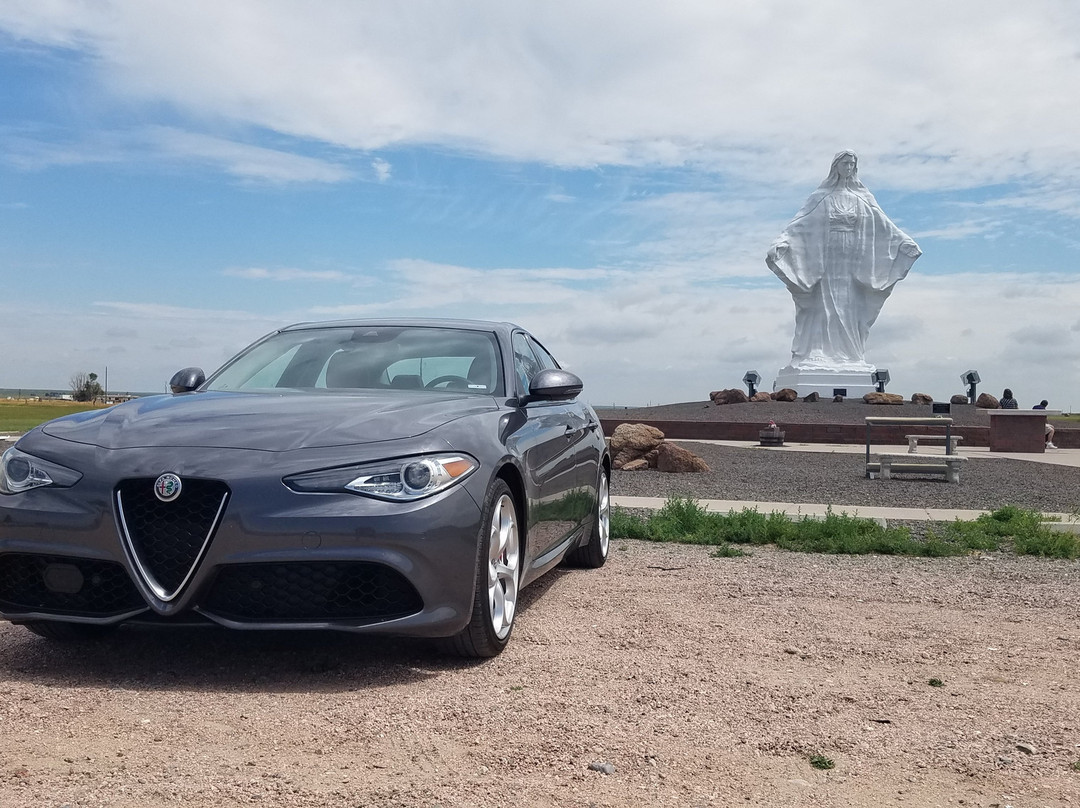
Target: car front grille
x=311, y=591
x=61, y=585
x=168, y=539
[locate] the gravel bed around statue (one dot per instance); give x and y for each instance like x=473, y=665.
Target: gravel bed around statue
x=784, y=475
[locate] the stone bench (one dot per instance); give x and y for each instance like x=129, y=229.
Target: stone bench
x=947, y=465
x=913, y=441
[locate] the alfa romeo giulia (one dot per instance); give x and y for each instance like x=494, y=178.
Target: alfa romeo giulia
x=405, y=477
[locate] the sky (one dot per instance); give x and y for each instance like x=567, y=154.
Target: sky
x=178, y=179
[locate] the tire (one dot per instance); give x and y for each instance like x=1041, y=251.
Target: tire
x=59, y=631
x=498, y=574
x=594, y=552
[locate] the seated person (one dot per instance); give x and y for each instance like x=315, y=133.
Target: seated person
x=1007, y=401
x=1049, y=427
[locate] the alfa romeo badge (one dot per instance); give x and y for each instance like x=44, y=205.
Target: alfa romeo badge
x=167, y=487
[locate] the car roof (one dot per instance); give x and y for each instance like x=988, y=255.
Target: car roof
x=414, y=322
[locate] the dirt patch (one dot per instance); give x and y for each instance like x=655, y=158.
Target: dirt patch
x=701, y=681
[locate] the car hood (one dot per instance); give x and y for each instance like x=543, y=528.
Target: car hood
x=267, y=422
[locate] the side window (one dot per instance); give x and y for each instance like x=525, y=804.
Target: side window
x=547, y=361
x=525, y=363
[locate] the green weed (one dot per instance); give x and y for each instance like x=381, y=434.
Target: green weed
x=684, y=520
x=821, y=762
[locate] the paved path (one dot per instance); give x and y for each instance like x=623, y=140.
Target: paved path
x=1057, y=457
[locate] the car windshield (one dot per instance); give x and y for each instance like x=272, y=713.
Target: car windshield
x=367, y=358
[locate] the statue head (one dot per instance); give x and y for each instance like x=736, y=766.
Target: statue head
x=844, y=168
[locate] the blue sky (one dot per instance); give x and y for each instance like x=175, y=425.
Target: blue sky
x=177, y=179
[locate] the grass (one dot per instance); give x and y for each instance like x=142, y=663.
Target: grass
x=685, y=521
x=821, y=762
x=20, y=415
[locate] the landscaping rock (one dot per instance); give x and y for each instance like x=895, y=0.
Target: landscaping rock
x=987, y=402
x=730, y=396
x=813, y=398
x=958, y=399
x=785, y=394
x=883, y=398
x=639, y=437
x=761, y=397
x=921, y=398
x=677, y=460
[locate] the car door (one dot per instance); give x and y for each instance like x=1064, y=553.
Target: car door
x=548, y=440
x=588, y=442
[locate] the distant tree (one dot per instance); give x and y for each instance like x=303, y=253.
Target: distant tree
x=85, y=387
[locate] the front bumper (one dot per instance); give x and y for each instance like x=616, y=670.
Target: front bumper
x=276, y=560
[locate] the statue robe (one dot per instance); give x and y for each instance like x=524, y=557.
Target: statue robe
x=840, y=258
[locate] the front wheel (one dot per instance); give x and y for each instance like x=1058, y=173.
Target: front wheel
x=497, y=576
x=595, y=551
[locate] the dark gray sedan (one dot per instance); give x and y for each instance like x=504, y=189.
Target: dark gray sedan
x=405, y=477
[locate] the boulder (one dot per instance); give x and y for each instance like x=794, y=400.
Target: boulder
x=812, y=398
x=921, y=398
x=629, y=442
x=838, y=399
x=677, y=460
x=883, y=398
x=650, y=457
x=636, y=465
x=987, y=402
x=958, y=399
x=786, y=394
x=761, y=397
x=730, y=396
x=639, y=437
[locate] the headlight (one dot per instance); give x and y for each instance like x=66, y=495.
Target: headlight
x=401, y=480
x=20, y=472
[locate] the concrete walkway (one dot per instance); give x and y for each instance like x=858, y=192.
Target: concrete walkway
x=1056, y=457
x=817, y=510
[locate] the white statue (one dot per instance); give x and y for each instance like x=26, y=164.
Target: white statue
x=840, y=258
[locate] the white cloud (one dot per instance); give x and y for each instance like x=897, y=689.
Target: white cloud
x=960, y=230
x=285, y=274
x=383, y=170
x=244, y=161
x=759, y=89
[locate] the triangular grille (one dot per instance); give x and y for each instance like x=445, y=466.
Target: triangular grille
x=168, y=539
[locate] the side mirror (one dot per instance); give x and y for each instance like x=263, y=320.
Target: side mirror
x=186, y=380
x=553, y=385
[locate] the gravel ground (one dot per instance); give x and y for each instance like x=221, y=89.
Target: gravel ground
x=785, y=475
x=700, y=681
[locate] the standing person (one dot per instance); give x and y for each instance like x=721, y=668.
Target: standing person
x=1007, y=401
x=1049, y=427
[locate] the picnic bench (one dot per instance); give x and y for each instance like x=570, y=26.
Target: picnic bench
x=913, y=442
x=951, y=471
x=947, y=465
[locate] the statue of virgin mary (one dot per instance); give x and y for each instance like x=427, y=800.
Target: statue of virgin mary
x=840, y=258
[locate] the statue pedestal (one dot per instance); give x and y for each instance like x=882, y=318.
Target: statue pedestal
x=826, y=383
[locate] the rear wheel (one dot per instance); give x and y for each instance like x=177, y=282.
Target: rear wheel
x=497, y=576
x=59, y=631
x=595, y=551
